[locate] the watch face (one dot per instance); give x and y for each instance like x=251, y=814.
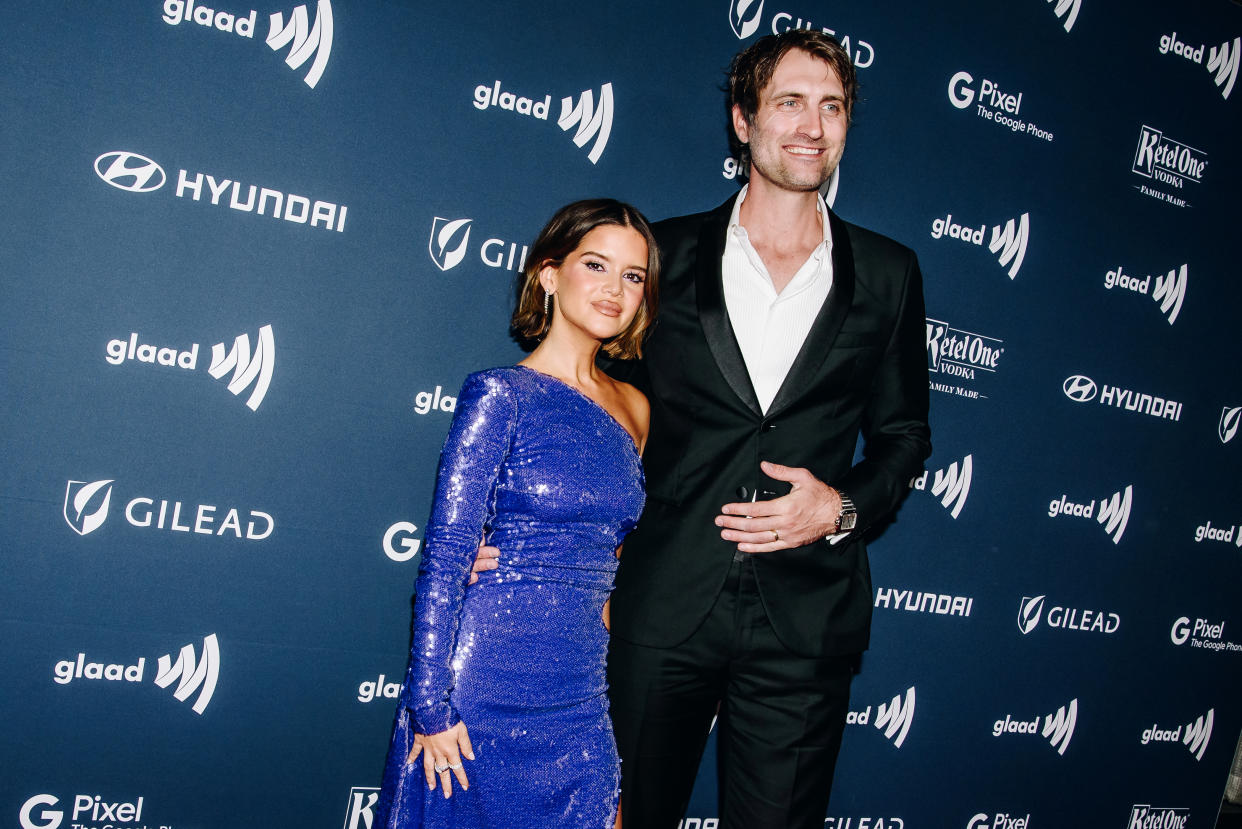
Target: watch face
x=848, y=520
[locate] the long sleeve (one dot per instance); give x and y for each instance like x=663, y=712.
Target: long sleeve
x=477, y=444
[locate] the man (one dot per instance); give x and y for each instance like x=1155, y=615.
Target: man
x=744, y=592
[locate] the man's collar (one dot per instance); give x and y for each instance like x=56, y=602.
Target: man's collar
x=735, y=218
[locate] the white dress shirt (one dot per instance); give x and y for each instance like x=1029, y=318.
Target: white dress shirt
x=771, y=327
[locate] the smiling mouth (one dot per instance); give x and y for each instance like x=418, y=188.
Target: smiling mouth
x=806, y=151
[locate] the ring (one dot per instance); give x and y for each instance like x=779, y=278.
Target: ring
x=442, y=769
x=454, y=766
x=776, y=536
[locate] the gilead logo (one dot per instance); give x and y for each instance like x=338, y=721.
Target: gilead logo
x=87, y=504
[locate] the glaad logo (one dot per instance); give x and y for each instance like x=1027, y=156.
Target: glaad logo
x=1196, y=737
x=450, y=241
x=917, y=601
x=1082, y=389
x=591, y=121
x=138, y=174
x=86, y=509
x=1223, y=59
x=1144, y=816
x=1218, y=533
x=1058, y=728
x=191, y=673
x=1001, y=820
x=1008, y=241
x=1031, y=609
x=1169, y=292
x=400, y=543
x=360, y=808
x=307, y=40
x=85, y=807
x=1163, y=160
x=1067, y=9
x=378, y=688
x=1228, y=426
x=1204, y=634
x=956, y=352
x=1112, y=512
x=130, y=171
x=994, y=105
x=427, y=401
x=746, y=16
x=317, y=41
x=950, y=484
x=251, y=370
x=893, y=718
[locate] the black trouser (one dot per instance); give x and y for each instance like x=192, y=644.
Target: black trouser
x=781, y=717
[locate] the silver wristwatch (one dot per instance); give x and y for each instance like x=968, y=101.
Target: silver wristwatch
x=849, y=514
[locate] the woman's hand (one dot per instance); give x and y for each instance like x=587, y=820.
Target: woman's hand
x=442, y=754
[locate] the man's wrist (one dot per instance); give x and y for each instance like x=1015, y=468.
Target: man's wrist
x=847, y=517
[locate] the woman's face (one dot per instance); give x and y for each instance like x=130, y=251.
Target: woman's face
x=599, y=287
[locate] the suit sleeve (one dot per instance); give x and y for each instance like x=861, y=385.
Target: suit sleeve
x=896, y=436
x=478, y=442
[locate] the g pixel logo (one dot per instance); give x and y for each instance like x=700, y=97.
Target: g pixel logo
x=84, y=511
x=1180, y=631
x=745, y=17
x=449, y=238
x=960, y=94
x=130, y=171
x=400, y=544
x=1078, y=388
x=1029, y=612
x=45, y=818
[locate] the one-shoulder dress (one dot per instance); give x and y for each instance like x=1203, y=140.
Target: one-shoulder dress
x=555, y=482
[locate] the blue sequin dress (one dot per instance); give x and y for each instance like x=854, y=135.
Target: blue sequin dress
x=556, y=483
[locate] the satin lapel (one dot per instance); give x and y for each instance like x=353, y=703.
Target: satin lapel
x=827, y=323
x=713, y=315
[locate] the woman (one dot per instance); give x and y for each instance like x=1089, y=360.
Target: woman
x=503, y=719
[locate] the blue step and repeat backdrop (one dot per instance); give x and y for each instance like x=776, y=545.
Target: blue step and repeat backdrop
x=250, y=253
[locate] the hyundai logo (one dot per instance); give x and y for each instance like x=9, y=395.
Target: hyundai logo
x=130, y=171
x=1078, y=388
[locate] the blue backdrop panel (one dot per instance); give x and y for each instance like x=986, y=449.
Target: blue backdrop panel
x=252, y=252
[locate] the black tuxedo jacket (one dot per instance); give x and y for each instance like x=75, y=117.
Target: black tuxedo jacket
x=862, y=370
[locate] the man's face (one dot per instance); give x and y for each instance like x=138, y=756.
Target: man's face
x=798, y=133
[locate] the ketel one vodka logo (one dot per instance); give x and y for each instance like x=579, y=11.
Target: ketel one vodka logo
x=893, y=717
x=251, y=370
x=588, y=117
x=1161, y=160
x=1058, y=727
x=1008, y=241
x=194, y=673
x=87, y=504
x=307, y=41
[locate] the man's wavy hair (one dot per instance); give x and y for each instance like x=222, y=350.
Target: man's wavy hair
x=561, y=237
x=753, y=67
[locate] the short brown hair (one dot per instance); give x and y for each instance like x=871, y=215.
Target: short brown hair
x=753, y=67
x=561, y=237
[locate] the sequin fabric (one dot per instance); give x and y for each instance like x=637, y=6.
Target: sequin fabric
x=556, y=483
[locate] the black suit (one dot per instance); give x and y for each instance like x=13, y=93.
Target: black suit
x=861, y=370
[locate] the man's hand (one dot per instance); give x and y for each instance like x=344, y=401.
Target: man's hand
x=808, y=513
x=488, y=558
